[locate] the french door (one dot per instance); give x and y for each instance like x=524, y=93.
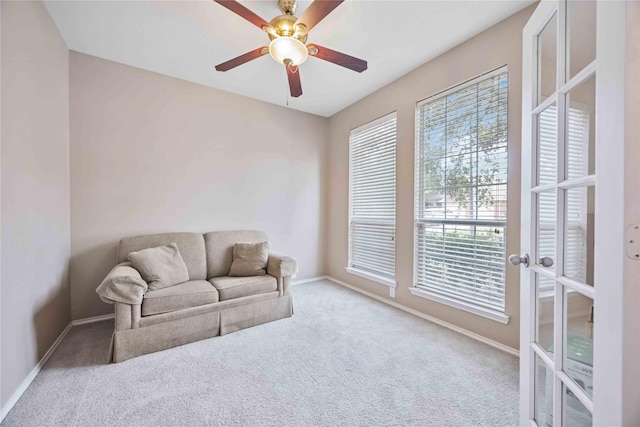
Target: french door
x=564, y=240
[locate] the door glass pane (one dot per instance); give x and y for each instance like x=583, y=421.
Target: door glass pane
x=578, y=229
x=547, y=46
x=546, y=226
x=543, y=390
x=575, y=414
x=581, y=136
x=581, y=34
x=544, y=312
x=578, y=361
x=547, y=145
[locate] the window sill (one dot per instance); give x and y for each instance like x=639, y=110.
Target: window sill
x=374, y=277
x=471, y=308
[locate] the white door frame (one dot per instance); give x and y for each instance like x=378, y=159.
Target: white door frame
x=609, y=223
x=631, y=320
x=527, y=292
x=613, y=332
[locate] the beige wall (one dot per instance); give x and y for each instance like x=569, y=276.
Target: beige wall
x=35, y=189
x=497, y=46
x=152, y=154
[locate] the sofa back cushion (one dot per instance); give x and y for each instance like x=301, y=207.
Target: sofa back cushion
x=191, y=246
x=161, y=267
x=219, y=248
x=249, y=259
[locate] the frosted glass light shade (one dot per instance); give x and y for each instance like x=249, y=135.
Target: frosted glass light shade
x=283, y=48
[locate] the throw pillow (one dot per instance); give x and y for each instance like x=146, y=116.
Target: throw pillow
x=249, y=259
x=161, y=266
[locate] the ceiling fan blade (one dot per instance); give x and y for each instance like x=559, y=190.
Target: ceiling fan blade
x=347, y=61
x=239, y=9
x=233, y=63
x=295, y=87
x=316, y=12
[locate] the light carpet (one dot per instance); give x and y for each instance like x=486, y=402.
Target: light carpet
x=342, y=359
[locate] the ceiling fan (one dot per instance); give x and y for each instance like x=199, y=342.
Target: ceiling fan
x=288, y=36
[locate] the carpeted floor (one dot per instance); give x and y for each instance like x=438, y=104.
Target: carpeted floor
x=342, y=359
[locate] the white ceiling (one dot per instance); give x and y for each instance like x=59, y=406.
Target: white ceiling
x=186, y=39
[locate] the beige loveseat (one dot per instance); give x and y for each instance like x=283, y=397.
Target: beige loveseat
x=210, y=303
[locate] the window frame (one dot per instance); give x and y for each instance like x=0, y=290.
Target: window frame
x=350, y=268
x=419, y=187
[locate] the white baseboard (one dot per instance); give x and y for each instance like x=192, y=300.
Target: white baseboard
x=32, y=375
x=448, y=325
x=36, y=370
x=310, y=279
x=92, y=319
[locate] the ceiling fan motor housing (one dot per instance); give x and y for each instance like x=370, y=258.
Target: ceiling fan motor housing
x=285, y=26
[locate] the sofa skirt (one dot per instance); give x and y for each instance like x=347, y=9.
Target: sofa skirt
x=131, y=343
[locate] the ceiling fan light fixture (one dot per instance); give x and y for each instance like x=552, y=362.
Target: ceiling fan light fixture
x=288, y=48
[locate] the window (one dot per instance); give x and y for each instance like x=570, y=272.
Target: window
x=372, y=202
x=461, y=196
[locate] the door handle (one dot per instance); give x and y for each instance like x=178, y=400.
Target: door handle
x=546, y=261
x=516, y=259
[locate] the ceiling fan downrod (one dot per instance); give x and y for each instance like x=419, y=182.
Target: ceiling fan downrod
x=288, y=7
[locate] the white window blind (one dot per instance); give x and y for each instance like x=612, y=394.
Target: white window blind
x=372, y=165
x=547, y=206
x=461, y=192
x=576, y=199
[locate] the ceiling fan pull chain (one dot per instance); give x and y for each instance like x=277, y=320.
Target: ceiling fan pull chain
x=286, y=101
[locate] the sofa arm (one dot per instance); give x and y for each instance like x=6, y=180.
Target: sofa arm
x=123, y=284
x=281, y=265
x=127, y=316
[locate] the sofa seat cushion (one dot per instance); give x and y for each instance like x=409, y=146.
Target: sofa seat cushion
x=184, y=295
x=237, y=287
